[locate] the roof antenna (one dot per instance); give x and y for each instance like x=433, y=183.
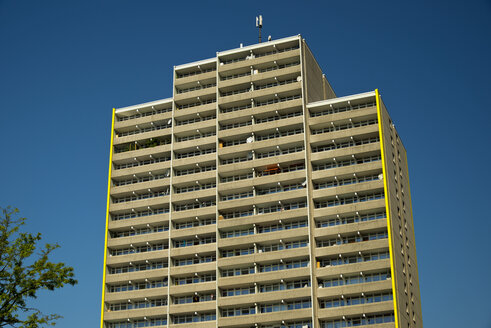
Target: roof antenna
x=259, y=24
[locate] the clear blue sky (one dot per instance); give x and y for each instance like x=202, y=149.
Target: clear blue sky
x=65, y=64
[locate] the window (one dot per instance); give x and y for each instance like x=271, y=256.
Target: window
x=282, y=226
x=342, y=109
x=194, y=241
x=138, y=267
x=348, y=162
x=195, y=260
x=195, y=279
x=355, y=279
x=345, y=144
x=287, y=306
x=138, y=304
x=349, y=200
x=237, y=272
x=195, y=223
x=359, y=321
x=237, y=233
x=283, y=265
x=149, y=322
x=353, y=239
x=238, y=291
x=138, y=249
x=189, y=318
x=356, y=300
x=237, y=252
x=194, y=298
x=350, y=219
x=136, y=232
x=233, y=312
x=138, y=286
x=284, y=286
x=354, y=259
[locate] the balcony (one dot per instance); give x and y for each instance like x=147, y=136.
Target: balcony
x=143, y=117
x=144, y=165
x=356, y=310
x=134, y=294
x=264, y=277
x=131, y=218
x=156, y=202
x=363, y=247
x=343, y=167
x=160, y=311
x=266, y=122
x=152, y=147
x=192, y=250
x=289, y=294
x=266, y=318
x=270, y=105
x=333, y=231
x=361, y=187
x=356, y=133
x=264, y=218
x=193, y=288
x=262, y=72
x=206, y=72
x=148, y=237
x=203, y=89
x=135, y=257
x=286, y=88
x=227, y=65
x=192, y=307
x=134, y=276
x=204, y=107
x=368, y=287
x=284, y=235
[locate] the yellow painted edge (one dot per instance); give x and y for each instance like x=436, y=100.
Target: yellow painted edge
x=387, y=208
x=107, y=218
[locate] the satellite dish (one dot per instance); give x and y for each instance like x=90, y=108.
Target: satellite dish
x=380, y=176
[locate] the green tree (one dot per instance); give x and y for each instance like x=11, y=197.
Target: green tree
x=25, y=270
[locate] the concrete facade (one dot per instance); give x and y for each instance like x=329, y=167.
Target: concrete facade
x=255, y=197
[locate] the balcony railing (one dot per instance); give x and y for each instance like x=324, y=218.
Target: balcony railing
x=199, y=103
x=343, y=109
x=349, y=200
x=181, y=75
x=140, y=163
x=139, y=214
x=144, y=114
x=192, y=206
x=352, y=161
x=345, y=144
x=196, y=170
x=155, y=127
x=146, y=178
x=199, y=87
x=195, y=153
x=150, y=143
x=136, y=197
x=195, y=120
x=340, y=127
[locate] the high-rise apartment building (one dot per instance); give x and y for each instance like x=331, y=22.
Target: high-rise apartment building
x=255, y=197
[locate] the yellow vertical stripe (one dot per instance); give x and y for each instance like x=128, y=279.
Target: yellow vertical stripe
x=107, y=218
x=387, y=208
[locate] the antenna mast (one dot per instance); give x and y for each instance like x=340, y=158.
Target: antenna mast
x=259, y=24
